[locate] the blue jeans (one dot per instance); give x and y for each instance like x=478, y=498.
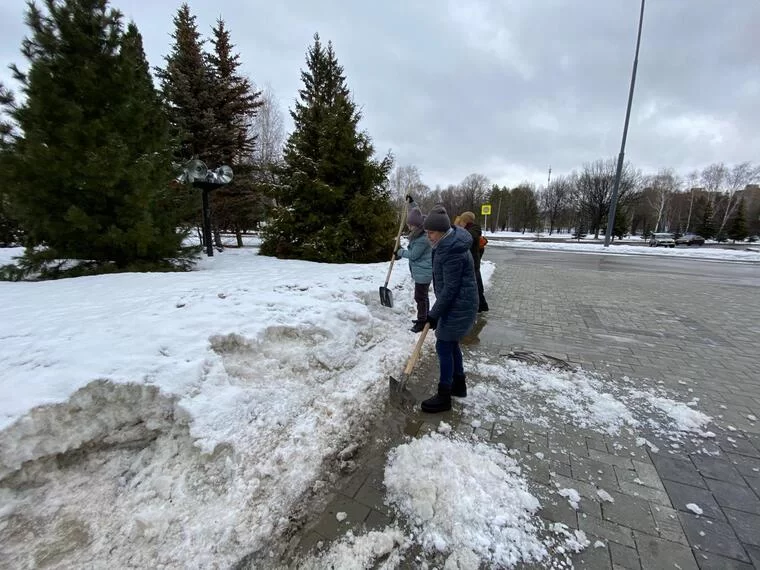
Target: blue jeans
x=449, y=359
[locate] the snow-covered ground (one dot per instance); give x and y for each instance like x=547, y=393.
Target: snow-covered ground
x=8, y=253
x=513, y=390
x=632, y=239
x=717, y=254
x=192, y=411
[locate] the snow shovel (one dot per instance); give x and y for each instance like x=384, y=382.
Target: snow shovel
x=399, y=392
x=386, y=297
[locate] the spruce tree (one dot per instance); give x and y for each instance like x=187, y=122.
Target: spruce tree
x=235, y=102
x=738, y=230
x=9, y=230
x=706, y=226
x=6, y=101
x=621, y=223
x=334, y=205
x=89, y=167
x=187, y=89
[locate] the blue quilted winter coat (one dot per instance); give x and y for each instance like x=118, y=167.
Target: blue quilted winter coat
x=456, y=291
x=419, y=255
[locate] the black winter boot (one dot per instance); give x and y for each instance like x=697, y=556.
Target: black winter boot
x=459, y=388
x=441, y=402
x=418, y=326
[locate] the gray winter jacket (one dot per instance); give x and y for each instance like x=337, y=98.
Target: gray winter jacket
x=456, y=291
x=419, y=254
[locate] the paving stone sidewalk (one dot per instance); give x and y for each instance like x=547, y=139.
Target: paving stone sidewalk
x=697, y=334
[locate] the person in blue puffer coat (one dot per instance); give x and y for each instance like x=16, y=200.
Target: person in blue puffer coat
x=419, y=254
x=456, y=304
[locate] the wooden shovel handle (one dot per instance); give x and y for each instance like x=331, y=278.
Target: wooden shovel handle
x=401, y=225
x=417, y=350
x=388, y=276
x=397, y=242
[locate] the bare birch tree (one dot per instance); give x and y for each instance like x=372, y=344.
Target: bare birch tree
x=269, y=128
x=662, y=186
x=736, y=179
x=691, y=181
x=406, y=179
x=713, y=179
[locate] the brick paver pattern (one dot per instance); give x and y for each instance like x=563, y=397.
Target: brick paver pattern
x=672, y=324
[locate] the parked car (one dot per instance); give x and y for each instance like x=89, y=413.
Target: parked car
x=663, y=239
x=690, y=239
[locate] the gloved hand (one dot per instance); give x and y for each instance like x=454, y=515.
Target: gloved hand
x=432, y=321
x=409, y=198
x=397, y=254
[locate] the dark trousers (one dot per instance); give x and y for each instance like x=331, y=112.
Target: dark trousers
x=422, y=298
x=449, y=360
x=481, y=295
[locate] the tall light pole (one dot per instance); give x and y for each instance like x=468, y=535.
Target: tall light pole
x=548, y=183
x=615, y=189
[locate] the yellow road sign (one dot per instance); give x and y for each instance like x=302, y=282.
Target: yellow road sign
x=485, y=209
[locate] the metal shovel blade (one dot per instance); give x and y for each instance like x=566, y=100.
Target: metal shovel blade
x=400, y=396
x=386, y=297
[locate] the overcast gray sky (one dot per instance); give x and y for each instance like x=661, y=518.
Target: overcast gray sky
x=498, y=87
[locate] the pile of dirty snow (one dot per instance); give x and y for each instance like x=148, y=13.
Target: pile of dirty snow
x=182, y=418
x=463, y=498
x=362, y=551
x=465, y=504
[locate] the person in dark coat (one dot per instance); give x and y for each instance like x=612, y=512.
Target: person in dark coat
x=456, y=304
x=419, y=254
x=467, y=221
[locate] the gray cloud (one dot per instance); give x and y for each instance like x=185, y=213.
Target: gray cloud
x=503, y=88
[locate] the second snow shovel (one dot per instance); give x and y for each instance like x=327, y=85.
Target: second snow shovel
x=399, y=392
x=386, y=297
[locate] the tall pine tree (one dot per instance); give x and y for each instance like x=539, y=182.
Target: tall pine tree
x=621, y=224
x=6, y=102
x=9, y=230
x=89, y=166
x=738, y=229
x=187, y=86
x=236, y=207
x=334, y=204
x=234, y=101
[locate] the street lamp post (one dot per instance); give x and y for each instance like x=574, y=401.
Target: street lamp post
x=616, y=187
x=207, y=181
x=548, y=183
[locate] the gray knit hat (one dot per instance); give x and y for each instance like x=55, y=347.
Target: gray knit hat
x=414, y=218
x=438, y=220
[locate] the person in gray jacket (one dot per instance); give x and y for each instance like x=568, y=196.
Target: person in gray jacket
x=419, y=254
x=456, y=304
